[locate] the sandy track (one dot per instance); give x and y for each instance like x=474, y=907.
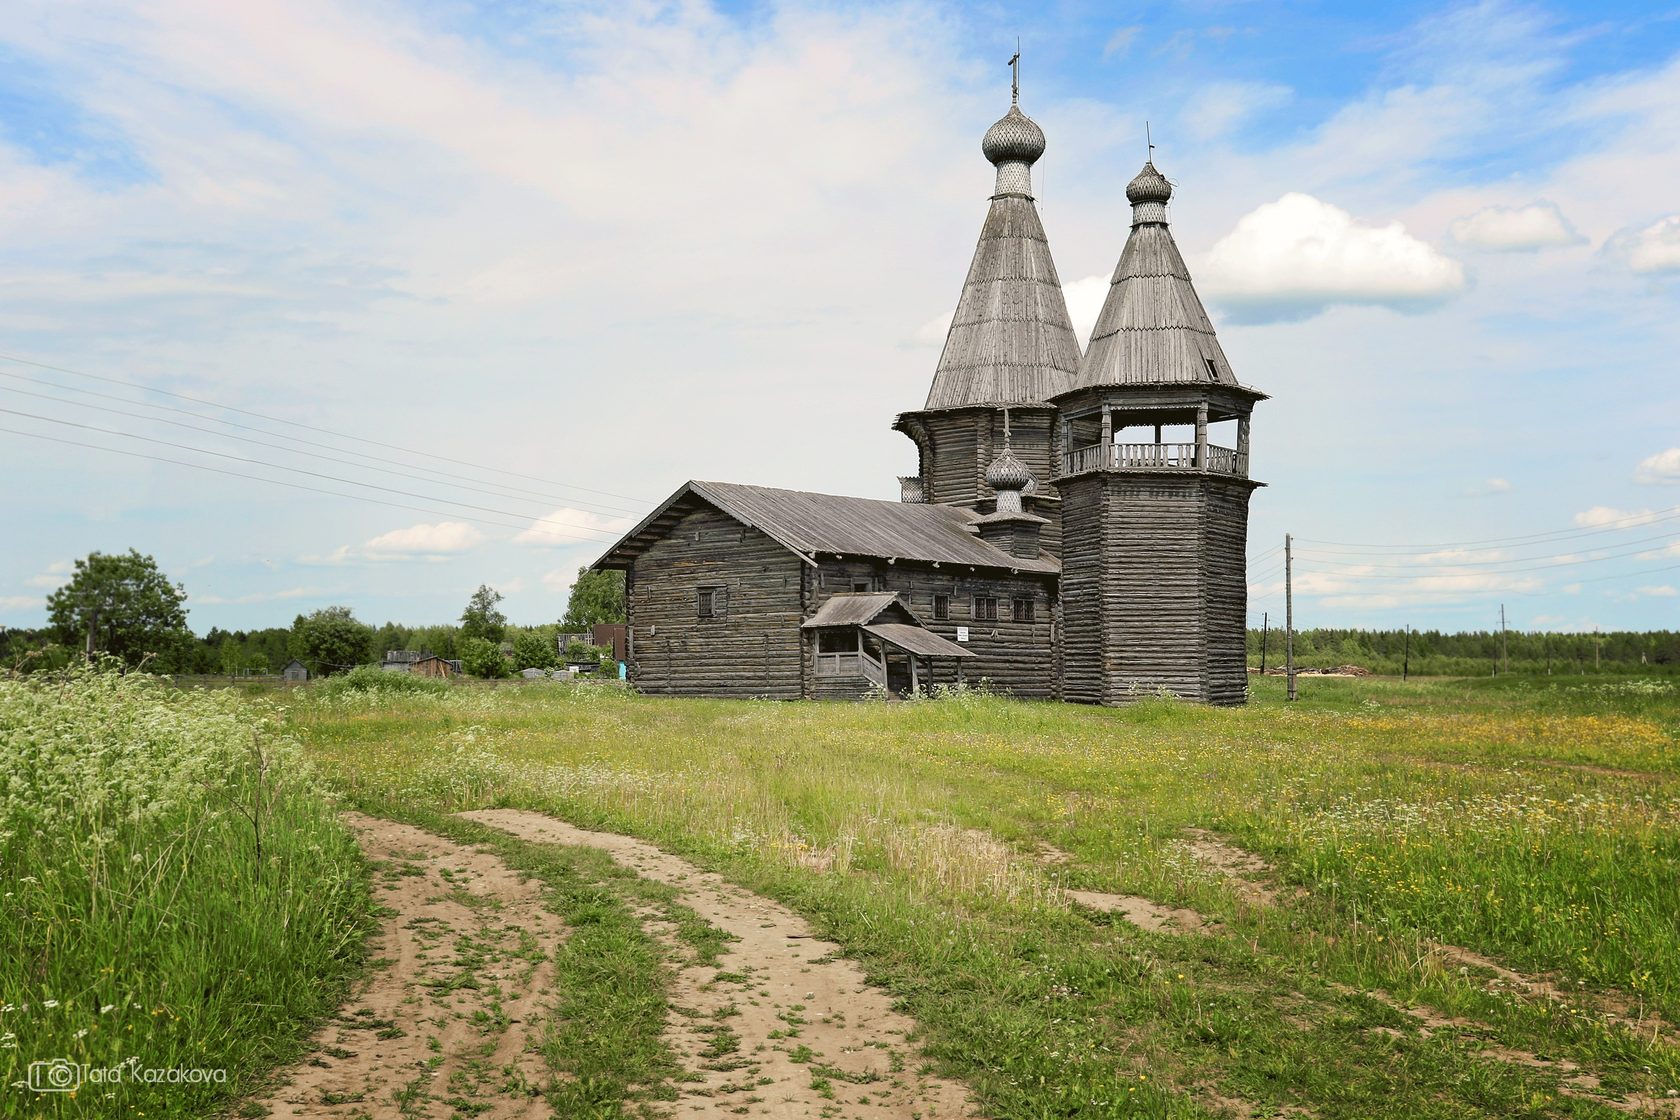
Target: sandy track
x=442, y=1026
x=781, y=1026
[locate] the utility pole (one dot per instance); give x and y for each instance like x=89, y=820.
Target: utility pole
x=1504, y=651
x=93, y=624
x=1265, y=632
x=1598, y=644
x=1289, y=612
x=1406, y=658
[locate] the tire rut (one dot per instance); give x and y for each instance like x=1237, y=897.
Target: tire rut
x=782, y=1026
x=444, y=1023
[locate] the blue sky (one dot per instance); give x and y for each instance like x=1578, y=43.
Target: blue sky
x=529, y=266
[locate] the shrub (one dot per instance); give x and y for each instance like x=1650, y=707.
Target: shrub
x=369, y=678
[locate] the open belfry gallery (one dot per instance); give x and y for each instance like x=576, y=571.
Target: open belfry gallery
x=1074, y=530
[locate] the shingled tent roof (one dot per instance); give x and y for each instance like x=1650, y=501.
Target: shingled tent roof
x=1010, y=341
x=807, y=524
x=1153, y=328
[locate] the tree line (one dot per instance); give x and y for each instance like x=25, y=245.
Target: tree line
x=1476, y=652
x=123, y=606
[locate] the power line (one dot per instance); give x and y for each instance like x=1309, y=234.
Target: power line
x=593, y=506
x=276, y=446
x=1615, y=525
x=1491, y=564
x=310, y=427
x=257, y=478
x=313, y=474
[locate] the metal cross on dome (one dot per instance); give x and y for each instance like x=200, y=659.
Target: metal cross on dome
x=1015, y=76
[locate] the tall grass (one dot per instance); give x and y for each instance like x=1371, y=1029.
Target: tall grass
x=178, y=898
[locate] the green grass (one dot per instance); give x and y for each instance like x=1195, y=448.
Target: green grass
x=178, y=894
x=1533, y=821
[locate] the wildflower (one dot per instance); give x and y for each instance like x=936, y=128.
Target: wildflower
x=107, y=1007
x=50, y=1003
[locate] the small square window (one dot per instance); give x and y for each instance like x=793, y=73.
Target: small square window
x=941, y=606
x=985, y=608
x=711, y=602
x=862, y=585
x=1022, y=610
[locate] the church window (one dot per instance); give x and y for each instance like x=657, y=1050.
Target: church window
x=712, y=602
x=941, y=606
x=985, y=608
x=1022, y=610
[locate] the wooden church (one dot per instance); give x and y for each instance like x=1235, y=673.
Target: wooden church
x=1073, y=531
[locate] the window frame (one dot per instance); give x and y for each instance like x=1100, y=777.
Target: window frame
x=987, y=612
x=711, y=601
x=1017, y=614
x=941, y=608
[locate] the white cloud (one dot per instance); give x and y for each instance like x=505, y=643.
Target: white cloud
x=1295, y=257
x=559, y=579
x=1516, y=229
x=57, y=574
x=1663, y=467
x=1084, y=303
x=1490, y=486
x=1120, y=43
x=442, y=538
x=1599, y=516
x=1656, y=248
x=1658, y=591
x=568, y=528
x=1216, y=109
x=258, y=597
x=21, y=602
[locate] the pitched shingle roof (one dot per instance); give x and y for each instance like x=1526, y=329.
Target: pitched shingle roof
x=1153, y=328
x=808, y=524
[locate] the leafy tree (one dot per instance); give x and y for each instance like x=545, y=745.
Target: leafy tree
x=331, y=640
x=129, y=604
x=483, y=658
x=534, y=650
x=596, y=597
x=481, y=619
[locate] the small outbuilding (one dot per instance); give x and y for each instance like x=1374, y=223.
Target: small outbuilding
x=295, y=672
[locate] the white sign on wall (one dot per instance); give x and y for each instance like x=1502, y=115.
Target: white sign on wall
x=962, y=633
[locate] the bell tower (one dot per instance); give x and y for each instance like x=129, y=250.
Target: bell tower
x=1154, y=506
x=1010, y=348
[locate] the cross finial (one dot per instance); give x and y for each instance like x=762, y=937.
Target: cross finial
x=1006, y=429
x=1015, y=75
x=1147, y=139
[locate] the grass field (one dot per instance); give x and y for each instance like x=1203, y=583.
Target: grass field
x=1530, y=822
x=1439, y=899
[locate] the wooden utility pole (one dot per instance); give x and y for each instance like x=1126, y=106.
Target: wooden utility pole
x=1265, y=632
x=1598, y=644
x=93, y=625
x=1406, y=657
x=1504, y=651
x=1289, y=613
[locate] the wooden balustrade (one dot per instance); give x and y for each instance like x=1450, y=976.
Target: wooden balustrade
x=1153, y=457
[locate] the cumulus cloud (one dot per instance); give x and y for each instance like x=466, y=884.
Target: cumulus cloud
x=1601, y=516
x=1663, y=467
x=1657, y=591
x=568, y=528
x=1516, y=229
x=259, y=597
x=1490, y=486
x=21, y=602
x=1084, y=303
x=440, y=539
x=1298, y=256
x=57, y=574
x=1654, y=249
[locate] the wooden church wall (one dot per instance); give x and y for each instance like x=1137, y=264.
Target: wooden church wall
x=753, y=650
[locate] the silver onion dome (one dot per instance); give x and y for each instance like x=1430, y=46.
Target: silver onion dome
x=1014, y=138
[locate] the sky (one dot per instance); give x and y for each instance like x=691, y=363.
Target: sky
x=369, y=303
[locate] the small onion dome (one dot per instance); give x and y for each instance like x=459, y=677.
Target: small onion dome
x=1007, y=472
x=1149, y=186
x=1014, y=138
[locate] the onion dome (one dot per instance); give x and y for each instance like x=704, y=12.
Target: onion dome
x=1007, y=472
x=1014, y=138
x=1149, y=186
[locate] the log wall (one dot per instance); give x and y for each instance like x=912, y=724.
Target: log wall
x=754, y=650
x=1154, y=587
x=958, y=445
